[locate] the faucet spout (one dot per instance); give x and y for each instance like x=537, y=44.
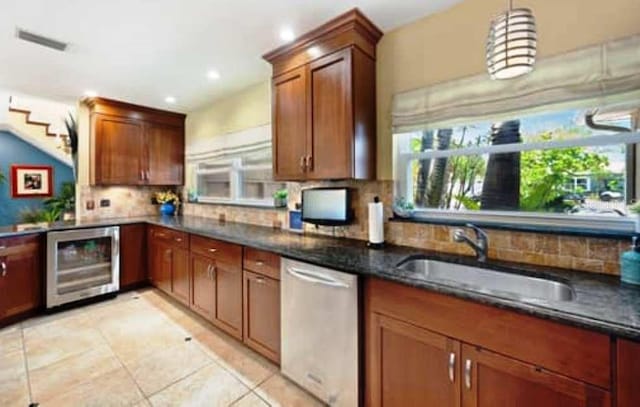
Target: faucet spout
x=481, y=246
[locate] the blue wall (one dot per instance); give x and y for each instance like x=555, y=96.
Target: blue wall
x=13, y=150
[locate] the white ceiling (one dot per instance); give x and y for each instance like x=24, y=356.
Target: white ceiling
x=144, y=50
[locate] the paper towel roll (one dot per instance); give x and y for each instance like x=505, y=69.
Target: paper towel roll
x=376, y=223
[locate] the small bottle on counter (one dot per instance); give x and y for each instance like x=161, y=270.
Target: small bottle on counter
x=630, y=263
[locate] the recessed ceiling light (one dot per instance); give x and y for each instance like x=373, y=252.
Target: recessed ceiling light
x=213, y=75
x=170, y=99
x=286, y=34
x=90, y=93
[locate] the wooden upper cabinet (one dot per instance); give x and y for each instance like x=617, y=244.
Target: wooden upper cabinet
x=323, y=87
x=290, y=124
x=118, y=151
x=492, y=380
x=165, y=154
x=135, y=145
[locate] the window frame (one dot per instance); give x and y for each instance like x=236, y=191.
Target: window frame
x=403, y=187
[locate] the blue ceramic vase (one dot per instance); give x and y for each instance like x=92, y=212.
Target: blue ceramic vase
x=167, y=209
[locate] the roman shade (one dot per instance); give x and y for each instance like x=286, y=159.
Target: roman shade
x=606, y=74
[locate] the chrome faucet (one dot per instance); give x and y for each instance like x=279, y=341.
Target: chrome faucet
x=482, y=244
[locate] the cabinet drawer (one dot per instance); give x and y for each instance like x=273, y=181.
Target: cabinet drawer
x=19, y=244
x=175, y=238
x=228, y=253
x=262, y=262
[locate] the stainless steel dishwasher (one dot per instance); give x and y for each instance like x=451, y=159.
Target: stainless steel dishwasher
x=320, y=331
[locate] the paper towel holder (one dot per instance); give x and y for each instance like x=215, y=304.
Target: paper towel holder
x=380, y=245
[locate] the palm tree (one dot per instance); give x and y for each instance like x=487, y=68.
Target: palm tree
x=426, y=143
x=436, y=181
x=501, y=186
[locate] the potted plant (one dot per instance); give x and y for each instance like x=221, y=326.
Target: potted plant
x=635, y=209
x=64, y=203
x=280, y=198
x=403, y=208
x=168, y=202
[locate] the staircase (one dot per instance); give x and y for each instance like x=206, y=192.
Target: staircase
x=39, y=122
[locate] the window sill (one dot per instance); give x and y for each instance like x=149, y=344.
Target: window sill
x=544, y=229
x=240, y=204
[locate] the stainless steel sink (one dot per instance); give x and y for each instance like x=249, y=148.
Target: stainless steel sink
x=498, y=283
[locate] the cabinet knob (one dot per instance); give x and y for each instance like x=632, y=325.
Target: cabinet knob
x=178, y=239
x=309, y=163
x=4, y=269
x=303, y=162
x=259, y=263
x=212, y=250
x=259, y=280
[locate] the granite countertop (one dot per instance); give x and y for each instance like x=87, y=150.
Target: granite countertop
x=601, y=302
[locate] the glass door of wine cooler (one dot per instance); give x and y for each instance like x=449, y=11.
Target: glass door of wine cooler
x=82, y=263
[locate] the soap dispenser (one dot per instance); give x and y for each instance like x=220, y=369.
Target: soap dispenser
x=630, y=263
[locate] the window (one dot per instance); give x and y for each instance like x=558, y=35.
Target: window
x=549, y=167
x=232, y=173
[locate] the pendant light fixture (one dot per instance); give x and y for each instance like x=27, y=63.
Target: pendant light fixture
x=511, y=45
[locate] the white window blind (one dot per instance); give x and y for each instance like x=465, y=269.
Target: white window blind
x=607, y=74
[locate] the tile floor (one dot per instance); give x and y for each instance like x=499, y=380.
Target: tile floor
x=139, y=349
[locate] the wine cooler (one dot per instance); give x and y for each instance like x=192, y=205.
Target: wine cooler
x=82, y=263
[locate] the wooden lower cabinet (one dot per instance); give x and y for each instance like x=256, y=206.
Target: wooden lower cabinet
x=21, y=276
x=161, y=256
x=492, y=380
x=180, y=276
x=628, y=372
x=410, y=366
x=432, y=350
x=203, y=287
x=228, y=297
x=133, y=255
x=262, y=314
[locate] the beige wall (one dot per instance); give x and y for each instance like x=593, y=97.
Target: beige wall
x=246, y=109
x=450, y=45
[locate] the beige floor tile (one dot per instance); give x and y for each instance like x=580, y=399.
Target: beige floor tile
x=250, y=400
x=136, y=340
x=143, y=403
x=49, y=380
x=280, y=391
x=251, y=368
x=10, y=339
x=158, y=370
x=114, y=388
x=45, y=323
x=13, y=379
x=43, y=350
x=211, y=386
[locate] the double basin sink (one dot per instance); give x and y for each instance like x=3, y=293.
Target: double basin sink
x=487, y=281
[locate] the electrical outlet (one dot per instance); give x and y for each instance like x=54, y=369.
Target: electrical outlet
x=91, y=205
x=105, y=203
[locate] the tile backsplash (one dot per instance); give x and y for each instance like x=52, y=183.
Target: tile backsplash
x=596, y=255
x=124, y=202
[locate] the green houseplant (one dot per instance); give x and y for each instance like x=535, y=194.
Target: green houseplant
x=280, y=198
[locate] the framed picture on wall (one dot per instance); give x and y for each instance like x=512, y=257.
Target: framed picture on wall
x=31, y=181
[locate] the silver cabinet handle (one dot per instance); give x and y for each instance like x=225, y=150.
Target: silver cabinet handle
x=259, y=263
x=303, y=162
x=212, y=250
x=467, y=373
x=141, y=175
x=4, y=269
x=309, y=162
x=452, y=367
x=259, y=280
x=178, y=239
x=209, y=271
x=213, y=271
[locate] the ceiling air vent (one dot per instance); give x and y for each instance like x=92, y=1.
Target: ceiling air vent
x=40, y=40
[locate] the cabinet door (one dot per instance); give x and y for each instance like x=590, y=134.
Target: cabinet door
x=20, y=279
x=330, y=155
x=628, y=371
x=491, y=380
x=262, y=314
x=162, y=263
x=290, y=119
x=119, y=151
x=180, y=277
x=133, y=255
x=203, y=287
x=165, y=163
x=410, y=366
x=229, y=298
